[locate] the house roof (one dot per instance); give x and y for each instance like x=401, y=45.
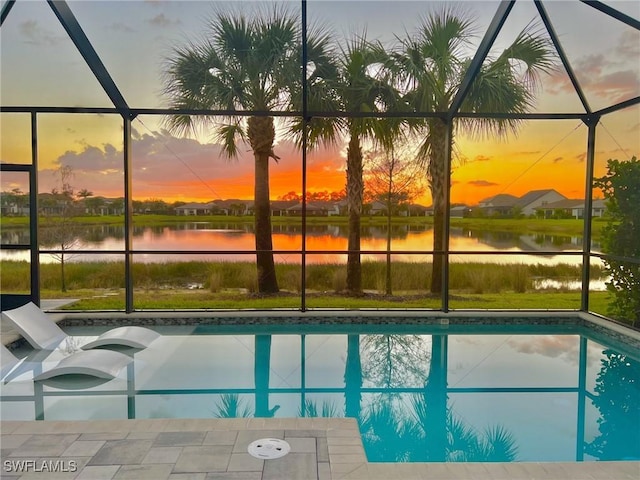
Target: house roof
x=194, y=205
x=311, y=206
x=282, y=204
x=500, y=200
x=231, y=202
x=530, y=197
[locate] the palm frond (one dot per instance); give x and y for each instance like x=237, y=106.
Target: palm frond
x=228, y=134
x=233, y=37
x=231, y=406
x=499, y=445
x=328, y=410
x=535, y=51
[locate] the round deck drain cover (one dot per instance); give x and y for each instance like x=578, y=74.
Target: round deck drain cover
x=269, y=448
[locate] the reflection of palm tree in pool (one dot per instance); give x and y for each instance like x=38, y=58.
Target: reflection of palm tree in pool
x=231, y=406
x=262, y=368
x=618, y=401
x=460, y=443
x=352, y=384
x=390, y=434
x=328, y=409
x=353, y=378
x=430, y=431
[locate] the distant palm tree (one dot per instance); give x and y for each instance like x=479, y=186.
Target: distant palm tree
x=433, y=65
x=245, y=64
x=84, y=193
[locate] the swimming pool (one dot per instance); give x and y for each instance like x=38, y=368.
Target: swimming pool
x=438, y=392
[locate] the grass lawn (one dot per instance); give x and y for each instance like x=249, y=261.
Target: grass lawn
x=202, y=299
x=522, y=225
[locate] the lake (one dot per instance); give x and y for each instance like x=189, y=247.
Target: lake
x=237, y=237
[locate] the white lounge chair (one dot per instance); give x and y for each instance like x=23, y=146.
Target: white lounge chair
x=44, y=334
x=105, y=364
x=7, y=360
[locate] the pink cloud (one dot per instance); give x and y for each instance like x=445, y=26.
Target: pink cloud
x=601, y=75
x=165, y=165
x=481, y=183
x=35, y=34
x=553, y=346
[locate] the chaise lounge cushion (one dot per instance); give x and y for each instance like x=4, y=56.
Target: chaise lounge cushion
x=95, y=363
x=44, y=334
x=131, y=336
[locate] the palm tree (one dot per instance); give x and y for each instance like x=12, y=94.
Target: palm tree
x=84, y=193
x=362, y=84
x=433, y=66
x=245, y=64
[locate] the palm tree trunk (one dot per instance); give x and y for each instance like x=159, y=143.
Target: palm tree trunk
x=435, y=396
x=388, y=269
x=261, y=135
x=353, y=378
x=437, y=178
x=388, y=272
x=355, y=192
x=261, y=369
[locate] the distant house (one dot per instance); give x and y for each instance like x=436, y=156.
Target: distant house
x=232, y=206
x=341, y=207
x=570, y=208
x=416, y=210
x=498, y=205
x=193, y=209
x=52, y=204
x=377, y=208
x=328, y=208
x=11, y=204
x=460, y=211
x=529, y=202
x=312, y=209
x=598, y=207
x=103, y=206
x=331, y=208
x=279, y=208
x=504, y=205
x=457, y=210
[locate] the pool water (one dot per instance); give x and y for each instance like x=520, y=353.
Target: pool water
x=525, y=394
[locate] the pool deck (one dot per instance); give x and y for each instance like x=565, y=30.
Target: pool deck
x=197, y=449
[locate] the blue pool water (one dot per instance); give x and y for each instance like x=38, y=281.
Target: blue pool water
x=534, y=393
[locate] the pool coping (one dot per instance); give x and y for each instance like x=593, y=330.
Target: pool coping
x=322, y=449
x=442, y=321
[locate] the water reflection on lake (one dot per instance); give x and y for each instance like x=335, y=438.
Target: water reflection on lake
x=238, y=237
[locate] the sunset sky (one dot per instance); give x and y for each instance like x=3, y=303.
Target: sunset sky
x=41, y=67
